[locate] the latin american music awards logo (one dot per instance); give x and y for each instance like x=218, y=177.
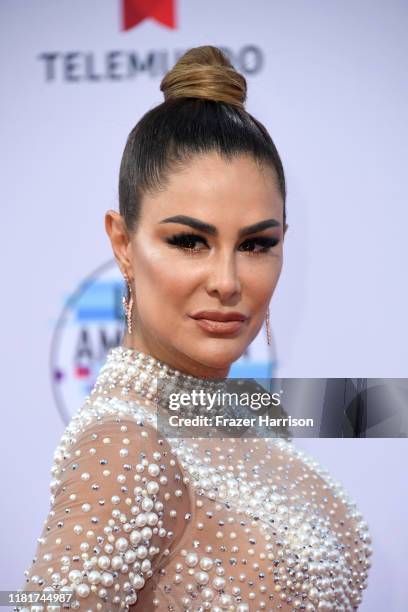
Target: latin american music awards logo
x=92, y=322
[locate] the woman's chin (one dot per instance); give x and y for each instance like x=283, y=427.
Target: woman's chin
x=219, y=355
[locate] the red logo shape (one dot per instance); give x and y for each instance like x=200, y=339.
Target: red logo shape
x=136, y=11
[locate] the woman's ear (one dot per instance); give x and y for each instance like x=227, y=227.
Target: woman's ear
x=119, y=236
x=285, y=229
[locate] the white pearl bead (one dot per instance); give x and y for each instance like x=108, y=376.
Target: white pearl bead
x=201, y=577
x=116, y=563
x=206, y=563
x=218, y=583
x=153, y=469
x=130, y=556
x=207, y=594
x=138, y=582
x=104, y=562
x=82, y=590
x=147, y=533
x=107, y=579
x=75, y=576
x=152, y=519
x=191, y=559
x=135, y=537
x=141, y=552
x=94, y=577
x=147, y=504
x=141, y=520
x=121, y=544
x=152, y=487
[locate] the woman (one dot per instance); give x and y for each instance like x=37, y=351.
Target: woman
x=138, y=521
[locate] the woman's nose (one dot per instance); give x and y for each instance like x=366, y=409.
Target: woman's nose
x=223, y=278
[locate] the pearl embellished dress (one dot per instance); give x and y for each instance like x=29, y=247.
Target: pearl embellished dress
x=142, y=522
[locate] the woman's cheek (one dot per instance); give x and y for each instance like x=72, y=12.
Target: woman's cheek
x=257, y=285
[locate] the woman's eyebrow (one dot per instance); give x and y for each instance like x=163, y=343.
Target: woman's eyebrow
x=212, y=230
x=192, y=222
x=258, y=227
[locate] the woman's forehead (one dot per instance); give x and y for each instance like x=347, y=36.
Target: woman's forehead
x=214, y=185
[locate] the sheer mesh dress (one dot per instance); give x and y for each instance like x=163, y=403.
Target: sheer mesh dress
x=139, y=521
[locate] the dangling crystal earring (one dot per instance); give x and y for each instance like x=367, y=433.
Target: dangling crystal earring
x=268, y=328
x=127, y=306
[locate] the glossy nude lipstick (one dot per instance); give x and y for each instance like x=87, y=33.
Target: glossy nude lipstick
x=218, y=322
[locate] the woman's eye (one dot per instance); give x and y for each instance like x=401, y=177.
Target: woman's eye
x=187, y=241
x=190, y=242
x=262, y=244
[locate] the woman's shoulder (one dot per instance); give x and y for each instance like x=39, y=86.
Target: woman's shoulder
x=110, y=427
x=118, y=506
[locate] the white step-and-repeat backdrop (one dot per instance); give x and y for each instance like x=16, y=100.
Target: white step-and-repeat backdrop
x=329, y=80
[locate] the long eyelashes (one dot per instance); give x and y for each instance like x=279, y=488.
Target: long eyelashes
x=188, y=241
x=266, y=243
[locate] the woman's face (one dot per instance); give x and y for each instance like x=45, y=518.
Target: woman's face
x=197, y=248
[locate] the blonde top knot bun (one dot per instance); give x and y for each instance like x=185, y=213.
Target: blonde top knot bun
x=206, y=73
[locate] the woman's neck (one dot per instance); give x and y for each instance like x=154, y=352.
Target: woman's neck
x=174, y=359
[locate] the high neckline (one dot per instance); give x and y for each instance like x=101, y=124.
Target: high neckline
x=131, y=354
x=129, y=372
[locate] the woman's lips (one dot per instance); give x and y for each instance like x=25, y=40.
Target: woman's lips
x=232, y=323
x=220, y=327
